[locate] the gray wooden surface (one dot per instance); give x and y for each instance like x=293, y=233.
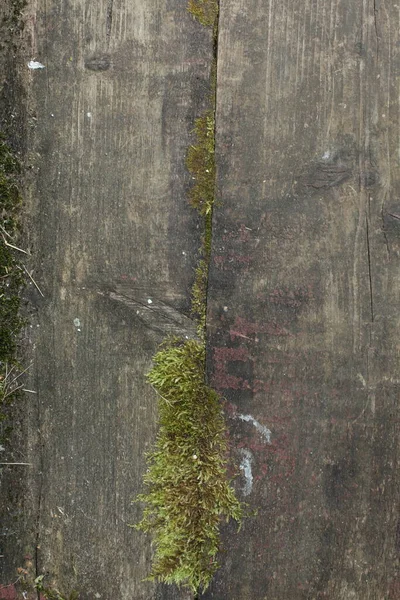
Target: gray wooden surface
x=304, y=295
x=114, y=246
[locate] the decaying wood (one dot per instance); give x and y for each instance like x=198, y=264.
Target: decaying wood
x=304, y=333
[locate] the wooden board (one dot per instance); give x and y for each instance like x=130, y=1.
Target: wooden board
x=304, y=295
x=114, y=245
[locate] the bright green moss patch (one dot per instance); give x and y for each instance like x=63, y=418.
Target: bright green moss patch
x=205, y=11
x=200, y=162
x=187, y=488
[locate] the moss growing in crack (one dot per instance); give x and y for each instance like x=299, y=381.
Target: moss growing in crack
x=187, y=488
x=205, y=11
x=200, y=285
x=11, y=277
x=200, y=162
x=188, y=492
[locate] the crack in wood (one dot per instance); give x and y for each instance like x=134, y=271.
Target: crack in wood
x=371, y=297
x=376, y=28
x=384, y=229
x=109, y=19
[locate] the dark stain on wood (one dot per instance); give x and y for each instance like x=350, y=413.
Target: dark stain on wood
x=98, y=63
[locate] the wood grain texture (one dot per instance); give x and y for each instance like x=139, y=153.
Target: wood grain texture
x=114, y=108
x=304, y=295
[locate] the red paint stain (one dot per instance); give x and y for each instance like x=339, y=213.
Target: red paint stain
x=394, y=591
x=240, y=235
x=244, y=329
x=232, y=261
x=128, y=278
x=223, y=357
x=8, y=592
x=291, y=298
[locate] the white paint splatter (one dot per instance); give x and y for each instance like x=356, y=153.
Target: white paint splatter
x=361, y=378
x=34, y=64
x=265, y=432
x=245, y=466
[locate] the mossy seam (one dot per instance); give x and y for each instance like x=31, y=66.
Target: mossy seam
x=187, y=489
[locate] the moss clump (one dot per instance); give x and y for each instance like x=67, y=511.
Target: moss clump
x=187, y=489
x=205, y=11
x=188, y=492
x=11, y=277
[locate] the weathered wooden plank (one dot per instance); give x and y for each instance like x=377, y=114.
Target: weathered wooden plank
x=304, y=292
x=112, y=236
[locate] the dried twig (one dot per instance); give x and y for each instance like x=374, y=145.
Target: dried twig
x=14, y=247
x=33, y=281
x=5, y=232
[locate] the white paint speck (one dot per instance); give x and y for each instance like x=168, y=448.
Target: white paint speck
x=34, y=64
x=326, y=155
x=149, y=301
x=361, y=378
x=265, y=432
x=77, y=322
x=245, y=466
x=89, y=115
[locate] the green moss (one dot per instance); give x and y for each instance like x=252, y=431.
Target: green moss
x=200, y=285
x=188, y=493
x=200, y=162
x=205, y=11
x=49, y=593
x=187, y=489
x=11, y=277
